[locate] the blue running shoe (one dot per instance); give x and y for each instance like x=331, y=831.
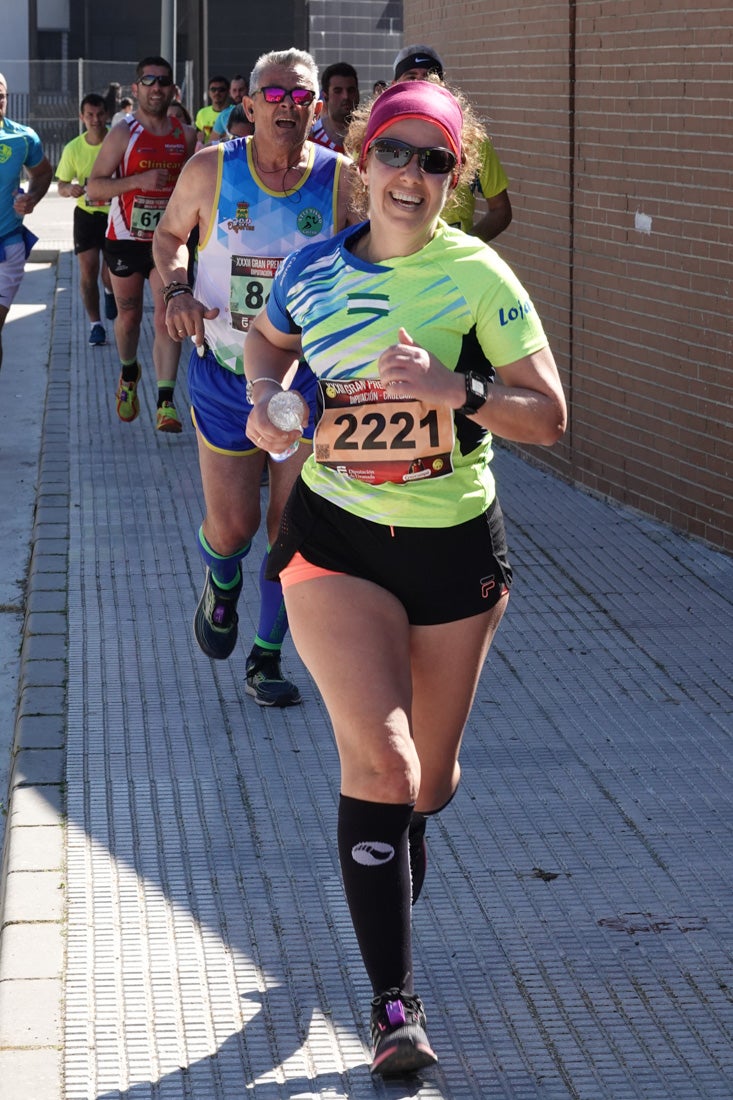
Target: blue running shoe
x=110, y=305
x=215, y=624
x=265, y=681
x=97, y=335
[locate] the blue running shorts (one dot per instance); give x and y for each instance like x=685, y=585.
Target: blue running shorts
x=219, y=405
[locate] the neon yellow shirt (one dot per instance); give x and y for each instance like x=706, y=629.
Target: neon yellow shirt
x=458, y=299
x=77, y=161
x=491, y=180
x=205, y=119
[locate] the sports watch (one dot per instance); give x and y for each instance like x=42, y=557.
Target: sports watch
x=477, y=390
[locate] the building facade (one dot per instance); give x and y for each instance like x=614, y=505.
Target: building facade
x=613, y=122
x=218, y=36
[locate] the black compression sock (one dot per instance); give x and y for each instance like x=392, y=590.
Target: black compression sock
x=130, y=371
x=418, y=853
x=373, y=849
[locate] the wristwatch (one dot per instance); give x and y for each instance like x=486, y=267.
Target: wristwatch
x=477, y=391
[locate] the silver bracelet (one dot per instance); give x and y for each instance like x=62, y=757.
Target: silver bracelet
x=248, y=387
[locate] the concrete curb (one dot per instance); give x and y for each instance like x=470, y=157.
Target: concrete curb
x=32, y=885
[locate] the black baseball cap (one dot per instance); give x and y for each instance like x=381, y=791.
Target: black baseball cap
x=417, y=57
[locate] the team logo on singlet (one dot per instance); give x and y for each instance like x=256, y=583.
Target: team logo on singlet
x=310, y=222
x=241, y=219
x=5, y=152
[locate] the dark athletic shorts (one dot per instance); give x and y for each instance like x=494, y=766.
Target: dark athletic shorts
x=439, y=574
x=125, y=258
x=89, y=230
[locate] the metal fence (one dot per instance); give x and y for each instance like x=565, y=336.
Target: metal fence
x=46, y=94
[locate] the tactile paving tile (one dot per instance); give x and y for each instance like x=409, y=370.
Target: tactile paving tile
x=574, y=937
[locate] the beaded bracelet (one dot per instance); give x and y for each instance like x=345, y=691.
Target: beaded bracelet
x=172, y=290
x=248, y=387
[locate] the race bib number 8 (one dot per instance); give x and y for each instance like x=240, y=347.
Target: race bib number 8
x=377, y=435
x=146, y=213
x=250, y=285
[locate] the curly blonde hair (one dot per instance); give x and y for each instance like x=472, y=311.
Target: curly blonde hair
x=473, y=136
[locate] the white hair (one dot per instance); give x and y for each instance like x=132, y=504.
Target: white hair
x=286, y=59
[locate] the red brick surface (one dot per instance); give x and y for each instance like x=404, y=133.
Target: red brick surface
x=613, y=122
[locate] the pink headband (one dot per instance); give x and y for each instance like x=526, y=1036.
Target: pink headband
x=415, y=99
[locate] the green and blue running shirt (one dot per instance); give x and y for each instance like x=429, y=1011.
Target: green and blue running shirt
x=381, y=457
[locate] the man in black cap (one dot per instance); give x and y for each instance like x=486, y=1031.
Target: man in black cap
x=416, y=62
x=491, y=183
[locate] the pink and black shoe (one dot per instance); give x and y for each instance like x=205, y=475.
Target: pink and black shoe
x=401, y=1045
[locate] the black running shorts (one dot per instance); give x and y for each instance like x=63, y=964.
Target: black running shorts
x=89, y=230
x=125, y=258
x=439, y=574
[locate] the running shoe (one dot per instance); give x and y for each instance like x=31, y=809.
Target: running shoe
x=398, y=1034
x=215, y=622
x=97, y=335
x=265, y=681
x=110, y=305
x=128, y=403
x=166, y=419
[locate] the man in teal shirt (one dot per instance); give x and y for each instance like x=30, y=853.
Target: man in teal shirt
x=20, y=149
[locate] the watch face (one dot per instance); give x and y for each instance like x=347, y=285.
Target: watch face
x=477, y=390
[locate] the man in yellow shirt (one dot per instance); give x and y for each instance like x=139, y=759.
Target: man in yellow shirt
x=206, y=117
x=90, y=218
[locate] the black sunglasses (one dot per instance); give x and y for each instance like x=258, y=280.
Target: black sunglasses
x=397, y=154
x=301, y=97
x=218, y=88
x=149, y=79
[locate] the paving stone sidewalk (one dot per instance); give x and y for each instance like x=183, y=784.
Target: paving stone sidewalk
x=173, y=924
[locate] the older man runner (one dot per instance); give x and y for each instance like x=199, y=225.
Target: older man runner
x=254, y=200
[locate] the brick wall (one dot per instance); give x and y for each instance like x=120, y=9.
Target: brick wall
x=613, y=122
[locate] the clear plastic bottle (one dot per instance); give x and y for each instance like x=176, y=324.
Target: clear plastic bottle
x=285, y=410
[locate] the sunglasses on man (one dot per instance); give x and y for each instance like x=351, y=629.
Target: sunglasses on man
x=301, y=97
x=149, y=79
x=398, y=154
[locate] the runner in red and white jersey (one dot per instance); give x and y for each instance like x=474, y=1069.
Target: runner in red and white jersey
x=340, y=95
x=136, y=171
x=134, y=215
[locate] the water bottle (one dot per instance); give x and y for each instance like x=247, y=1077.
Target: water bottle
x=285, y=410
